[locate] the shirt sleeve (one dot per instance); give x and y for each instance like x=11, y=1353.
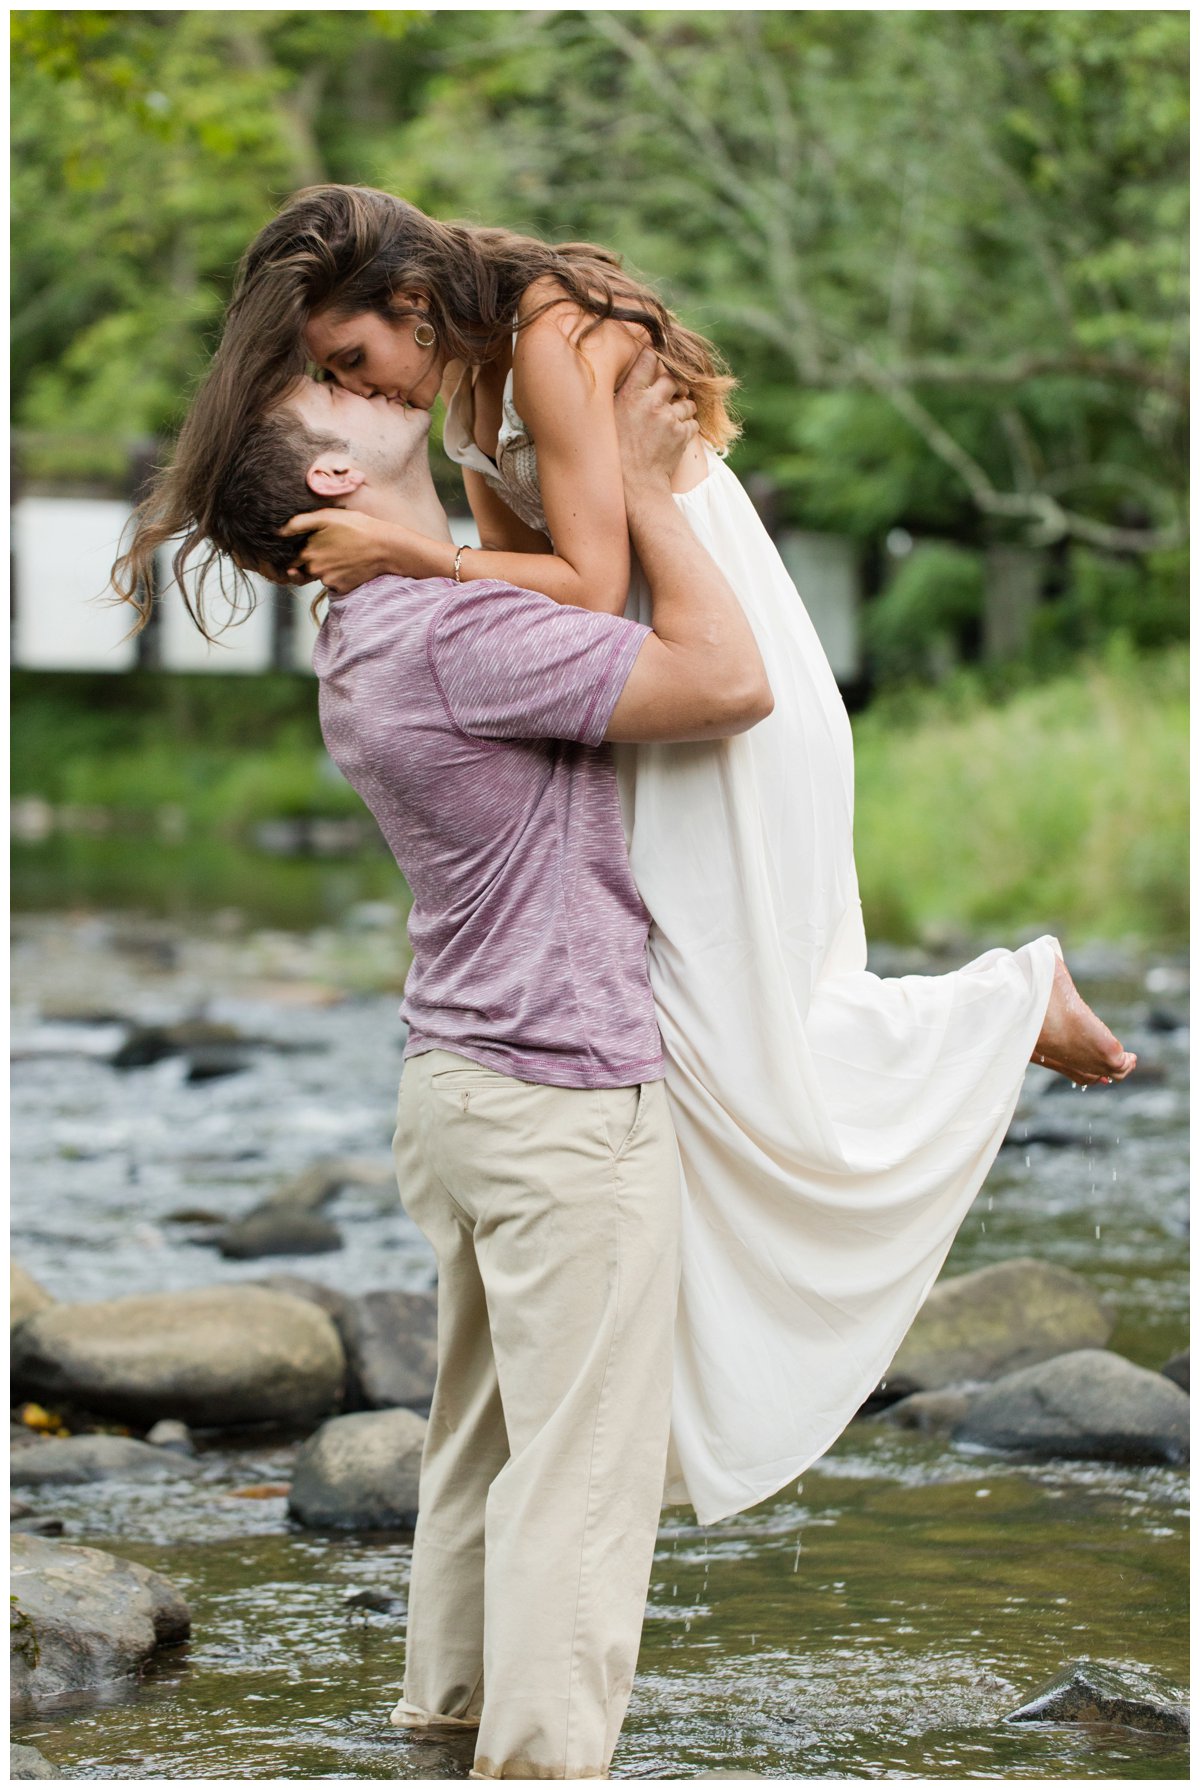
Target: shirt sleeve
x=513, y=665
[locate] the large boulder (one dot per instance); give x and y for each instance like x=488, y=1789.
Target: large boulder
x=360, y=1472
x=1089, y=1405
x=78, y=1460
x=211, y=1356
x=315, y=1291
x=27, y=1762
x=25, y=1296
x=1179, y=1369
x=1093, y=1691
x=995, y=1320
x=390, y=1340
x=83, y=1619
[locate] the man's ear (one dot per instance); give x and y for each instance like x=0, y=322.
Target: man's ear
x=334, y=475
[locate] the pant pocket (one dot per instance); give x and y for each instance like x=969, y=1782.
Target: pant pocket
x=622, y=1111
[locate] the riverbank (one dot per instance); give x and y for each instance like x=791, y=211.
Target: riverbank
x=882, y=1619
x=1061, y=806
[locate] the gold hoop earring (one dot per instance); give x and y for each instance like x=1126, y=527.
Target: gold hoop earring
x=424, y=335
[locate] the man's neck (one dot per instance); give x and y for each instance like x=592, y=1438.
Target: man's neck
x=414, y=507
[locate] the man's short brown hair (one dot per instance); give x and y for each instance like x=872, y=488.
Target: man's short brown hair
x=265, y=484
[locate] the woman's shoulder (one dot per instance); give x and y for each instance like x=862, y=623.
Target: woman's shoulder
x=554, y=324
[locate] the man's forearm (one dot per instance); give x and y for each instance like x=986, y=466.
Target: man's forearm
x=693, y=603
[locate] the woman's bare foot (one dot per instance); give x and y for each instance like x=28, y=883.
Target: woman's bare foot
x=1075, y=1041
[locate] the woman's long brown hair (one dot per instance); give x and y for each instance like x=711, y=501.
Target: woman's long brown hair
x=348, y=249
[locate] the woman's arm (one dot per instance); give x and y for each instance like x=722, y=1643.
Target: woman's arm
x=500, y=531
x=565, y=395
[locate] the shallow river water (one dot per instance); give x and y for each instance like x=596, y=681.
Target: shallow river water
x=880, y=1620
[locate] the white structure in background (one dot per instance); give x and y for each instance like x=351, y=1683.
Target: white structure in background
x=64, y=547
x=248, y=646
x=63, y=550
x=825, y=570
x=64, y=618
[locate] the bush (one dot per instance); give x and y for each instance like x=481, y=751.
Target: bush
x=923, y=619
x=1063, y=807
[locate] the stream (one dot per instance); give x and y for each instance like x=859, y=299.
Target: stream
x=880, y=1620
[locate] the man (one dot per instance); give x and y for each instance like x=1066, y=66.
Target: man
x=533, y=1144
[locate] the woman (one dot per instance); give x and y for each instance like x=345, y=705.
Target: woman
x=834, y=1127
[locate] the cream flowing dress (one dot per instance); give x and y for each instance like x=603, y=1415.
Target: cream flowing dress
x=834, y=1126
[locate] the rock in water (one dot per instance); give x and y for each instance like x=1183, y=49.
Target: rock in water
x=25, y=1296
x=932, y=1413
x=210, y=1356
x=328, y=1298
x=273, y=1230
x=80, y=1459
x=1179, y=1369
x=360, y=1472
x=27, y=1762
x=150, y=1044
x=390, y=1341
x=1093, y=1691
x=995, y=1320
x=1090, y=1405
x=172, y=1435
x=83, y=1619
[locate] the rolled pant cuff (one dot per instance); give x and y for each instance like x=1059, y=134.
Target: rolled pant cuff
x=411, y=1715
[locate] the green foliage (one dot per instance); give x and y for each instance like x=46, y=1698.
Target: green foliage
x=1064, y=807
x=1143, y=601
x=945, y=252
x=225, y=752
x=915, y=628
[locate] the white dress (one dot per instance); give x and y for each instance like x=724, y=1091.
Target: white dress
x=834, y=1127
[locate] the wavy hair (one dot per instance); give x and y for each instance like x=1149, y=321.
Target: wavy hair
x=348, y=249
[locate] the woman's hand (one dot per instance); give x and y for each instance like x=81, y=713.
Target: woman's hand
x=346, y=548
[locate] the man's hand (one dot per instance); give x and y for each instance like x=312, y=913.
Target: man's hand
x=345, y=548
x=655, y=423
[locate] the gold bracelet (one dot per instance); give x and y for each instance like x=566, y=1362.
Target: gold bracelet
x=458, y=563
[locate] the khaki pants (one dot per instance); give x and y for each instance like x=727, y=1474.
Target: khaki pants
x=554, y=1213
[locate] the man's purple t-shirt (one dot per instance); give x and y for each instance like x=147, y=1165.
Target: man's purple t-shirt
x=470, y=718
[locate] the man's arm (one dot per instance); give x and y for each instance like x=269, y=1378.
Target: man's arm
x=699, y=675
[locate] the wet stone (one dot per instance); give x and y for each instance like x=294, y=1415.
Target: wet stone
x=994, y=1321
x=213, y=1061
x=169, y=1433
x=360, y=1472
x=80, y=1460
x=1130, y=1696
x=390, y=1339
x=275, y=1230
x=27, y=1762
x=1088, y=1405
x=83, y=1619
x=213, y=1357
x=25, y=1295
x=932, y=1413
x=315, y=1291
x=1179, y=1369
x=147, y=1045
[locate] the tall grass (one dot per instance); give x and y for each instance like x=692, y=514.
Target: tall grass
x=1063, y=806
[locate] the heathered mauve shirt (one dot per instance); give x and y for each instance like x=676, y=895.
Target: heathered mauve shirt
x=470, y=718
